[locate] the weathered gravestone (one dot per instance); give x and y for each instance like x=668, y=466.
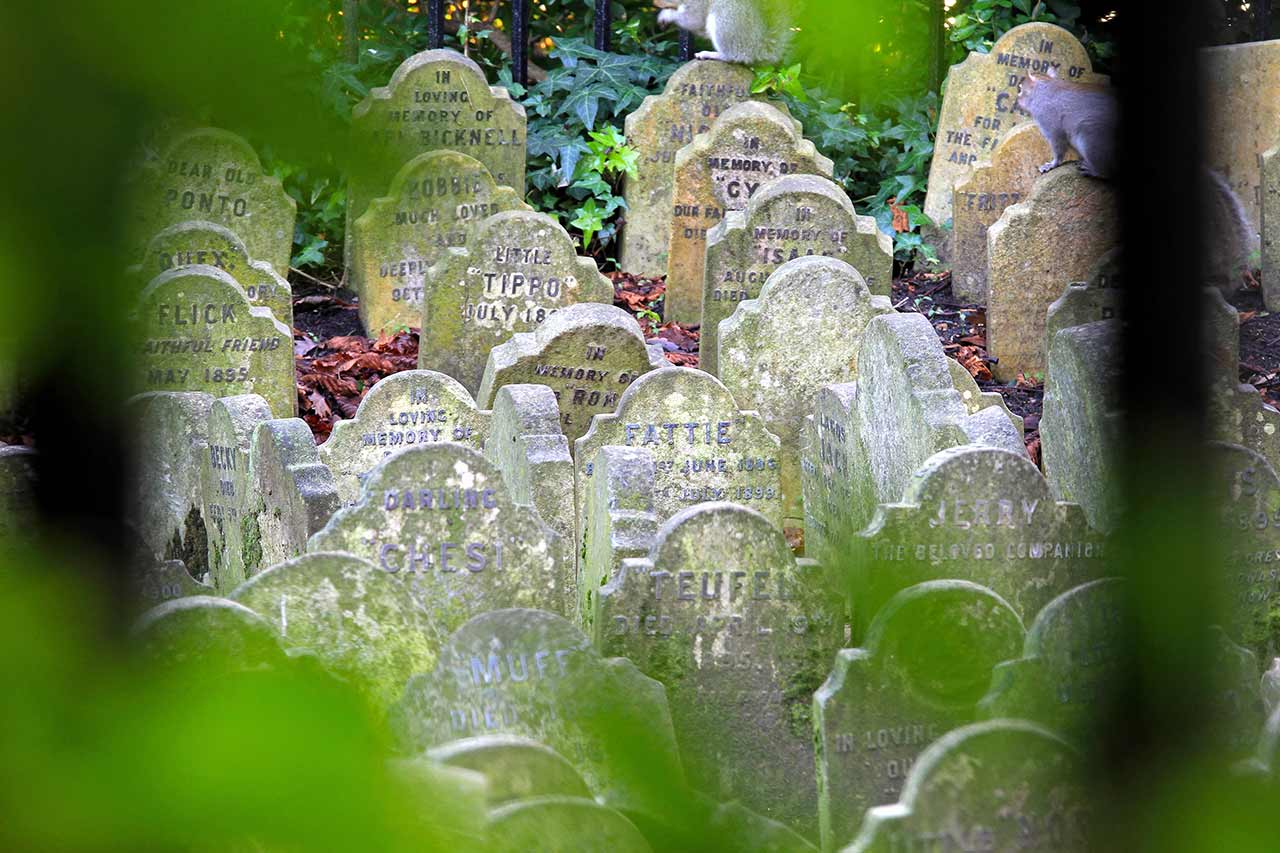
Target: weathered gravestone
x=166, y=503
x=441, y=518
x=517, y=768
x=291, y=493
x=1237, y=412
x=526, y=444
x=200, y=243
x=1246, y=500
x=436, y=100
x=979, y=104
x=725, y=617
x=693, y=99
x=997, y=181
x=1039, y=245
x=433, y=205
x=999, y=785
x=924, y=665
x=364, y=624
x=982, y=514
x=531, y=673
x=1083, y=302
x=563, y=824
x=1066, y=677
x=446, y=808
x=791, y=217
x=1263, y=762
x=519, y=267
x=215, y=176
x=166, y=581
x=587, y=354
x=200, y=632
x=17, y=480
x=748, y=146
x=865, y=440
x=705, y=448
x=1236, y=706
x=1079, y=429
x=1242, y=92
x=1271, y=686
x=620, y=523
x=197, y=331
x=803, y=332
x=1269, y=226
x=407, y=409
x=228, y=490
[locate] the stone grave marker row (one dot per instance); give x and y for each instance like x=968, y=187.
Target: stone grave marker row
x=789, y=217
x=519, y=267
x=215, y=176
x=749, y=145
x=196, y=330
x=435, y=203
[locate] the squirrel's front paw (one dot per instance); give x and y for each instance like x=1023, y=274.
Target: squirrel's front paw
x=711, y=54
x=1049, y=167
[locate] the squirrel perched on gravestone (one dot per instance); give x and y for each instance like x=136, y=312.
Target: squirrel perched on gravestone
x=748, y=32
x=1085, y=116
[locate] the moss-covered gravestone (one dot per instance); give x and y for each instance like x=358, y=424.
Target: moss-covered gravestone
x=587, y=354
x=996, y=182
x=865, y=440
x=724, y=616
x=791, y=217
x=433, y=205
x=440, y=517
x=803, y=332
x=1269, y=226
x=982, y=514
x=1083, y=302
x=531, y=673
x=436, y=100
x=362, y=622
x=619, y=519
x=516, y=768
x=526, y=444
x=196, y=330
x=215, y=176
x=1237, y=709
x=199, y=243
x=166, y=499
x=166, y=581
x=693, y=99
x=518, y=268
x=1246, y=497
x=1079, y=430
x=748, y=146
x=229, y=490
x=567, y=824
x=705, y=447
x=1242, y=119
x=407, y=409
x=206, y=634
x=1067, y=673
x=1067, y=223
x=924, y=665
x=980, y=103
x=292, y=494
x=998, y=785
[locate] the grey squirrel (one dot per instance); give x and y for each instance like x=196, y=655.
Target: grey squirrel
x=1085, y=116
x=748, y=32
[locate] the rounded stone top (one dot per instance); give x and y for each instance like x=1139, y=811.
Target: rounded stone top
x=201, y=275
x=740, y=528
x=797, y=184
x=811, y=270
x=975, y=464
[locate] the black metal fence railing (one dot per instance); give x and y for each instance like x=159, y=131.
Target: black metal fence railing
x=520, y=33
